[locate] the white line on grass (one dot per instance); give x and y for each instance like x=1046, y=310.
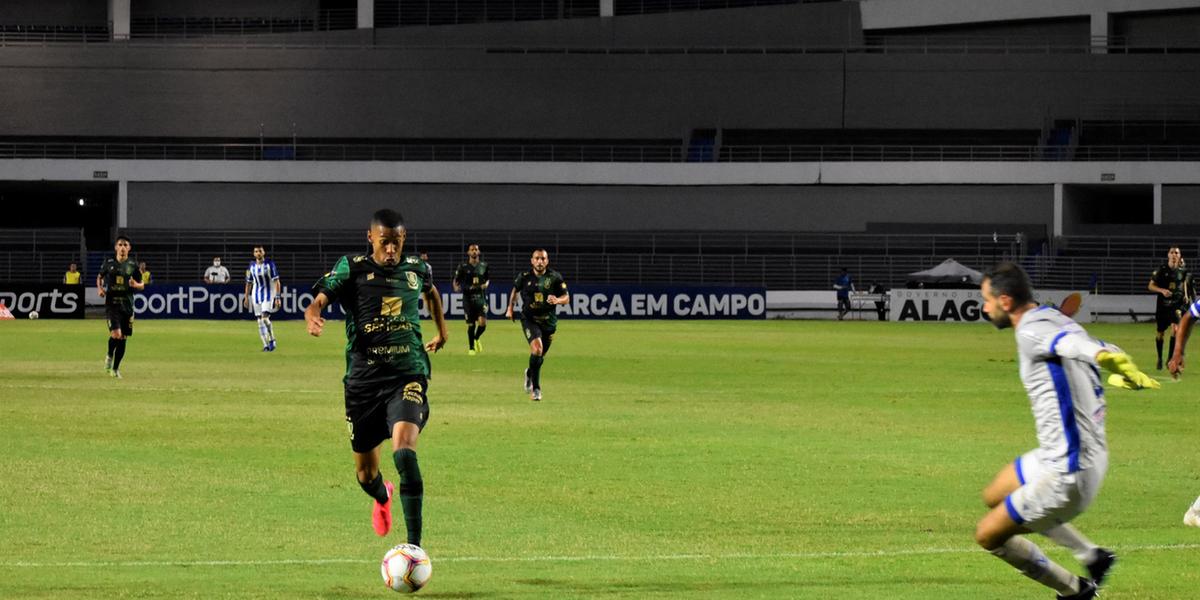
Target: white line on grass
x=173, y=390
x=580, y=558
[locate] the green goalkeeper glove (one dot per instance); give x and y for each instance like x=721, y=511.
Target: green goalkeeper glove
x=1125, y=373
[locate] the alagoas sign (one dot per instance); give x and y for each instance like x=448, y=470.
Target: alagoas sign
x=961, y=306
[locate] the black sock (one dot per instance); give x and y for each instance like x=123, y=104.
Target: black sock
x=375, y=489
x=119, y=354
x=471, y=336
x=535, y=371
x=112, y=345
x=479, y=329
x=1171, y=348
x=1158, y=344
x=412, y=491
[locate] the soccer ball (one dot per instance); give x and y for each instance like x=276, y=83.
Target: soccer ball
x=406, y=568
x=33, y=314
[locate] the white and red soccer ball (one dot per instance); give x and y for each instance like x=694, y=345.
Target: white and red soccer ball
x=406, y=568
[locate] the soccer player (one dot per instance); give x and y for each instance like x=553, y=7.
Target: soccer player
x=1175, y=367
x=541, y=289
x=471, y=279
x=1169, y=282
x=1047, y=487
x=387, y=366
x=263, y=277
x=117, y=277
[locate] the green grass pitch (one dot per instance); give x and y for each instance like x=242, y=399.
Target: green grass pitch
x=668, y=460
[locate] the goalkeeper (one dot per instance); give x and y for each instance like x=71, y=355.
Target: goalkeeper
x=1175, y=366
x=1047, y=487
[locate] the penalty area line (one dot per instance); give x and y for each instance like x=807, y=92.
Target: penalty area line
x=534, y=559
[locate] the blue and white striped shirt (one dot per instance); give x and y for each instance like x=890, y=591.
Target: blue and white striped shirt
x=262, y=275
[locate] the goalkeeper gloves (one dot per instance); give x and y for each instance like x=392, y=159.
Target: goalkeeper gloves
x=1125, y=374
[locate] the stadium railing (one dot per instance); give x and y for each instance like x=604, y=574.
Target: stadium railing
x=600, y=152
x=399, y=14
x=157, y=26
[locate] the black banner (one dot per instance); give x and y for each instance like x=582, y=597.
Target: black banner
x=50, y=300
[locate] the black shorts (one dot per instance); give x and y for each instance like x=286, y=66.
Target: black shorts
x=373, y=409
x=1165, y=316
x=535, y=330
x=119, y=318
x=473, y=310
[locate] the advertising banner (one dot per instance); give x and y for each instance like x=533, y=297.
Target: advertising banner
x=50, y=300
x=966, y=306
x=587, y=302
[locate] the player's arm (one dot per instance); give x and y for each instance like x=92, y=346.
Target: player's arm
x=312, y=315
x=433, y=301
x=1175, y=365
x=100, y=284
x=278, y=285
x=562, y=298
x=1158, y=290
x=512, y=301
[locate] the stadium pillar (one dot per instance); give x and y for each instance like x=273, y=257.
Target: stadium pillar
x=1058, y=210
x=122, y=204
x=606, y=8
x=366, y=14
x=1101, y=31
x=118, y=18
x=1158, y=204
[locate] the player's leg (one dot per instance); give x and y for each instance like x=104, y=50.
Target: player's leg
x=1161, y=323
x=366, y=420
x=480, y=327
x=1004, y=483
x=469, y=313
x=999, y=532
x=268, y=308
x=124, y=330
x=408, y=414
x=1174, y=331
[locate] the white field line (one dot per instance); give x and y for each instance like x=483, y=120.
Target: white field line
x=175, y=390
x=532, y=559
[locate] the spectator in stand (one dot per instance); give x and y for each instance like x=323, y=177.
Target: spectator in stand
x=73, y=276
x=216, y=273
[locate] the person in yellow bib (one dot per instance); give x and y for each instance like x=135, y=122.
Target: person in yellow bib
x=145, y=273
x=73, y=276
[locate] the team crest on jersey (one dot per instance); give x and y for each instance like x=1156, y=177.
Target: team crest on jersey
x=370, y=276
x=413, y=283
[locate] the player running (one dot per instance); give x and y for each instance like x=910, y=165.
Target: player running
x=471, y=279
x=1169, y=283
x=114, y=282
x=541, y=289
x=387, y=365
x=1047, y=487
x=263, y=277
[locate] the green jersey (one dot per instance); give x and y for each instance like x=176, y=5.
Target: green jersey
x=471, y=279
x=116, y=276
x=383, y=322
x=1177, y=281
x=534, y=289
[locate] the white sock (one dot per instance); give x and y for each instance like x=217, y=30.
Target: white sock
x=1068, y=537
x=1196, y=505
x=1032, y=562
x=270, y=329
x=262, y=332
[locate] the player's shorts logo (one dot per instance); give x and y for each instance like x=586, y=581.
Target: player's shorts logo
x=350, y=428
x=412, y=392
